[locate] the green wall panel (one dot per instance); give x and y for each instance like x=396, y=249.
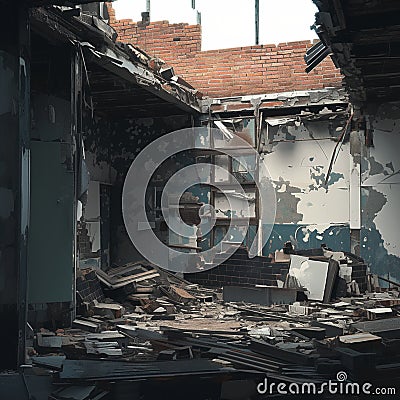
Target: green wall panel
x=50, y=248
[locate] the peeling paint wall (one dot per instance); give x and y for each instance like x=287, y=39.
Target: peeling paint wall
x=111, y=146
x=297, y=152
x=357, y=210
x=380, y=191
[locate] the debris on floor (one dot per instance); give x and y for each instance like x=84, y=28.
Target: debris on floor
x=140, y=322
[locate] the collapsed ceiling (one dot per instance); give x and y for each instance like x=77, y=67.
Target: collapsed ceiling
x=123, y=80
x=363, y=36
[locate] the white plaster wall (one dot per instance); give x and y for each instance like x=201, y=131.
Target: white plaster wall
x=382, y=173
x=303, y=165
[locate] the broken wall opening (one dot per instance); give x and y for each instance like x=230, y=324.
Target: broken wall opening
x=111, y=146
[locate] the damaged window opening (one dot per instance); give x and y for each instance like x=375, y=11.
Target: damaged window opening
x=243, y=128
x=202, y=224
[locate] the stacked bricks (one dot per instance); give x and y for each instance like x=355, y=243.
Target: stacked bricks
x=241, y=270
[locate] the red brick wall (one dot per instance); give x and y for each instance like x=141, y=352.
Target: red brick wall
x=228, y=72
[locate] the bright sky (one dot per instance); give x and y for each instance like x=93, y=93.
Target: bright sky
x=230, y=23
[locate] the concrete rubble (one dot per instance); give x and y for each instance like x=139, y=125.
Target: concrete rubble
x=139, y=322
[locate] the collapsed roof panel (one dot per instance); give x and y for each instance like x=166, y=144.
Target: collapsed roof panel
x=364, y=39
x=122, y=78
x=316, y=55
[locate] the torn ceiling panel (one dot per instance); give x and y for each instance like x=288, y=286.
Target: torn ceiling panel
x=318, y=99
x=120, y=87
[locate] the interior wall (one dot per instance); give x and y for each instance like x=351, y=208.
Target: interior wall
x=297, y=152
x=52, y=204
x=358, y=208
x=380, y=190
x=53, y=171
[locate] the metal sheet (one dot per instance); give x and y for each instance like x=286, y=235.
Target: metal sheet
x=52, y=216
x=311, y=274
x=109, y=370
x=265, y=295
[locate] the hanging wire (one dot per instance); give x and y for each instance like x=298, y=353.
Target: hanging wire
x=337, y=148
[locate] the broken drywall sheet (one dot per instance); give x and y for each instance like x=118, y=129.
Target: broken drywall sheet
x=311, y=275
x=382, y=164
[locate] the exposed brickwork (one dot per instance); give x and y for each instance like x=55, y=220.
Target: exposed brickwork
x=239, y=269
x=228, y=72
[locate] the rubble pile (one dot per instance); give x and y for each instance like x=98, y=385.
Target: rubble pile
x=140, y=325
